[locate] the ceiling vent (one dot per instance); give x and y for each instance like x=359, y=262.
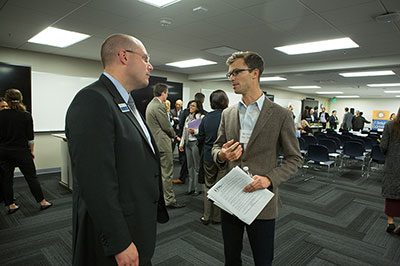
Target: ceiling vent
x=388, y=17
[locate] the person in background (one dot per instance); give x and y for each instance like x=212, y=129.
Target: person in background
x=305, y=128
x=189, y=144
x=3, y=103
x=347, y=120
x=306, y=113
x=390, y=146
x=392, y=116
x=323, y=117
x=161, y=128
x=333, y=120
x=176, y=113
x=359, y=121
x=117, y=193
x=207, y=135
x=311, y=119
x=315, y=113
x=184, y=168
x=167, y=105
x=251, y=134
x=291, y=108
x=17, y=150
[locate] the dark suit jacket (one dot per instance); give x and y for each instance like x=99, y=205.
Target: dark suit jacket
x=273, y=131
x=117, y=191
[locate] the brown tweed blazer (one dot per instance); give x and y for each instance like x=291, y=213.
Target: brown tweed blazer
x=274, y=130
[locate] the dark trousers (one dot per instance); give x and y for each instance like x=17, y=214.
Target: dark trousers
x=184, y=169
x=261, y=237
x=9, y=159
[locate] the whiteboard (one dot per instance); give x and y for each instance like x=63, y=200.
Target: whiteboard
x=51, y=97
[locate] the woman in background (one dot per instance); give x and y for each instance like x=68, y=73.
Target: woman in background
x=390, y=146
x=190, y=141
x=392, y=116
x=305, y=128
x=16, y=150
x=207, y=135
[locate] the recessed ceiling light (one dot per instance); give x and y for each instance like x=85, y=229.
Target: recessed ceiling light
x=159, y=3
x=398, y=96
x=329, y=92
x=58, y=37
x=304, y=87
x=384, y=85
x=316, y=47
x=191, y=63
x=348, y=96
x=391, y=91
x=272, y=79
x=367, y=73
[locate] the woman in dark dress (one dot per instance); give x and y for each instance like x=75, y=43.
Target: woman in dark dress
x=16, y=150
x=390, y=146
x=208, y=132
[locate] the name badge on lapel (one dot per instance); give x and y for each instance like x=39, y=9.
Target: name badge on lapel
x=123, y=107
x=244, y=136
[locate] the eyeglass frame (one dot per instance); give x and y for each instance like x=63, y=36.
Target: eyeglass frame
x=145, y=57
x=236, y=72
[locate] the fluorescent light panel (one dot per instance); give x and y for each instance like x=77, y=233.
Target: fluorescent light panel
x=271, y=79
x=398, y=96
x=316, y=47
x=391, y=91
x=191, y=63
x=329, y=92
x=159, y=3
x=348, y=96
x=304, y=87
x=384, y=85
x=58, y=37
x=367, y=74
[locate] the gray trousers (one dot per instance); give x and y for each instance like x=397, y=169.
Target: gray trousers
x=211, y=177
x=167, y=174
x=193, y=161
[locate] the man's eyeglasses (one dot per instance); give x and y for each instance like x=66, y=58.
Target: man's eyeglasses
x=145, y=57
x=236, y=71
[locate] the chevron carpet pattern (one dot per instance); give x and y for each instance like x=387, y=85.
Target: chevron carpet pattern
x=329, y=219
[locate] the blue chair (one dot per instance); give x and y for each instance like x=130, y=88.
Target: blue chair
x=319, y=155
x=354, y=150
x=331, y=145
x=337, y=141
x=376, y=156
x=309, y=140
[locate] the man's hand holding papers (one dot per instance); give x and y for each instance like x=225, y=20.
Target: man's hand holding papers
x=259, y=182
x=229, y=194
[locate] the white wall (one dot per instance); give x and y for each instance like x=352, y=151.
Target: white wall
x=47, y=147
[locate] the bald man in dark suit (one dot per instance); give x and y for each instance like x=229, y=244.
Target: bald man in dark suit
x=117, y=190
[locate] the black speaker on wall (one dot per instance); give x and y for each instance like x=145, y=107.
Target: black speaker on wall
x=16, y=77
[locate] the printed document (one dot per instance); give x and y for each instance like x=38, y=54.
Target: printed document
x=228, y=194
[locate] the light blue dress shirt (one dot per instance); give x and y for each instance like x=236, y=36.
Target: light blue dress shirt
x=248, y=115
x=125, y=96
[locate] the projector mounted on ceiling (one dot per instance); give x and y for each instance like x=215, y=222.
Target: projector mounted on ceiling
x=388, y=17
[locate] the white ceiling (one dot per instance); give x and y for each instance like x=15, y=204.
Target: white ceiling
x=257, y=25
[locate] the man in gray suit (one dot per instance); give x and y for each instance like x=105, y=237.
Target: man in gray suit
x=117, y=189
x=160, y=127
x=251, y=134
x=347, y=120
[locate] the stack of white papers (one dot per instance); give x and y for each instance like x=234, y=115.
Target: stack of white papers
x=228, y=194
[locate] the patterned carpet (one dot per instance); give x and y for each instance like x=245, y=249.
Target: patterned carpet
x=322, y=223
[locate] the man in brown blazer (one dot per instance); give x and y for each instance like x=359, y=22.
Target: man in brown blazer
x=160, y=127
x=251, y=134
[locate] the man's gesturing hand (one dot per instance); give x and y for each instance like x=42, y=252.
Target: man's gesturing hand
x=230, y=151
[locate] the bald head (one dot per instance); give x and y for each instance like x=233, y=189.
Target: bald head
x=114, y=43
